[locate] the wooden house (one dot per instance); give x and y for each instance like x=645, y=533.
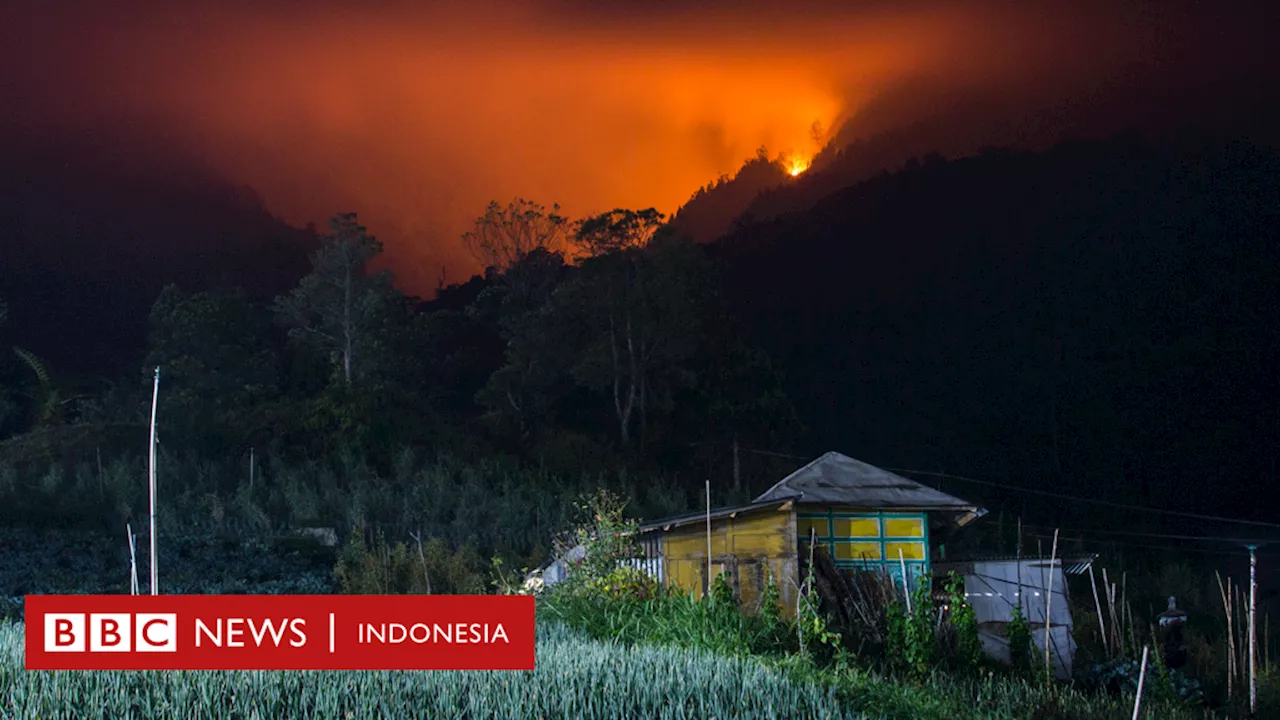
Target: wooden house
x=867, y=518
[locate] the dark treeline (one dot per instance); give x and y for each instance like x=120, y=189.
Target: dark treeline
x=1099, y=320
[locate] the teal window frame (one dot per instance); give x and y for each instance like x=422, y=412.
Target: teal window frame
x=891, y=566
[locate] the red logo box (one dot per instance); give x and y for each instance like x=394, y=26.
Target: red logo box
x=279, y=632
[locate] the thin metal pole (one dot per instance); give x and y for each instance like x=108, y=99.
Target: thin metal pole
x=155, y=394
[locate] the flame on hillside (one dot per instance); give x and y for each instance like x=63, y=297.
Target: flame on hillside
x=795, y=166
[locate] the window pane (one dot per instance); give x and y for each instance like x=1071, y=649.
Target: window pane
x=857, y=551
x=857, y=527
x=910, y=550
x=903, y=527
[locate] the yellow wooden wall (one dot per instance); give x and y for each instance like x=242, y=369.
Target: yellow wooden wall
x=759, y=545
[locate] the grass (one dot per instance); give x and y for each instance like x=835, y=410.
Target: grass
x=577, y=677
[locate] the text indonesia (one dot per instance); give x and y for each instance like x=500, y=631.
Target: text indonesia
x=279, y=632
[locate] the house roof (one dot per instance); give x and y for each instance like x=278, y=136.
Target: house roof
x=701, y=517
x=836, y=479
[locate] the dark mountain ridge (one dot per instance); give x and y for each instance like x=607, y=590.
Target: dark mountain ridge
x=93, y=226
x=1104, y=315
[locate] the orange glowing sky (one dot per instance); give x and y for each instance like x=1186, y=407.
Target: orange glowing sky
x=417, y=118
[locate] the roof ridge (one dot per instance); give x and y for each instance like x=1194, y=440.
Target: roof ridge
x=834, y=474
x=795, y=472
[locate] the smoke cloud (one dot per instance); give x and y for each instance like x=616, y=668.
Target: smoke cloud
x=416, y=116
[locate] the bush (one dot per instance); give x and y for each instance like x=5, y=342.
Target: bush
x=625, y=583
x=386, y=569
x=1019, y=634
x=964, y=623
x=1121, y=676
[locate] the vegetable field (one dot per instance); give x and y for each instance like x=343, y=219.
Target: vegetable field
x=576, y=678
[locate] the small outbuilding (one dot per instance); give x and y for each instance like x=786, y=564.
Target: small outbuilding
x=995, y=585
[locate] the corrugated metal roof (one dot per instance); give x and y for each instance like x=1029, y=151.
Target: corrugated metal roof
x=836, y=479
x=678, y=520
x=1071, y=564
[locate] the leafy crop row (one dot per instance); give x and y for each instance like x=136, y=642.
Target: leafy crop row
x=575, y=678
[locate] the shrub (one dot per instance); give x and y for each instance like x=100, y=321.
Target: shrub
x=625, y=583
x=964, y=622
x=394, y=569
x=1019, y=634
x=1162, y=684
x=814, y=634
x=919, y=649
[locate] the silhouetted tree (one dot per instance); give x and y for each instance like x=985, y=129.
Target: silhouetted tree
x=533, y=375
x=47, y=401
x=335, y=309
x=617, y=230
x=637, y=313
x=743, y=403
x=217, y=360
x=503, y=236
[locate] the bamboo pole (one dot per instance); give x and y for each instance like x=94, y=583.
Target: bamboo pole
x=1236, y=609
x=1127, y=619
x=1048, y=603
x=708, y=538
x=133, y=562
x=905, y=589
x=1133, y=626
x=1110, y=589
x=1019, y=556
x=1231, y=647
x=1142, y=676
x=1102, y=626
x=155, y=395
x=1253, y=629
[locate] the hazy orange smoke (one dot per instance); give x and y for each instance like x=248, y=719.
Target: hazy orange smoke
x=417, y=119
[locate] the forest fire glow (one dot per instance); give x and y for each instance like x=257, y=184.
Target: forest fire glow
x=428, y=115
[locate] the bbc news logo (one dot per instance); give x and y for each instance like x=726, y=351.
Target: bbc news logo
x=110, y=632
x=279, y=632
